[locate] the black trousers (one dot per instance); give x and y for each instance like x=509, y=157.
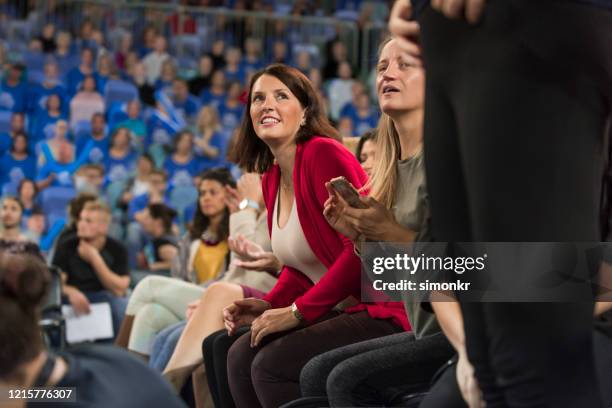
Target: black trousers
x=515, y=114
x=214, y=349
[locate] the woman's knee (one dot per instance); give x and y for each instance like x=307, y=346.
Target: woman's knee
x=144, y=293
x=240, y=357
x=219, y=290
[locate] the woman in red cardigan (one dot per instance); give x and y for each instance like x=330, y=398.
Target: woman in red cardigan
x=286, y=136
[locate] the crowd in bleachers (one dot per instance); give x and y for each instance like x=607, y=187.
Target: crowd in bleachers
x=78, y=112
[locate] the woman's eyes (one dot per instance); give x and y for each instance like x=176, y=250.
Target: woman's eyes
x=259, y=98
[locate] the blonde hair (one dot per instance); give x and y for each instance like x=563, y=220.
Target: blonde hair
x=214, y=115
x=383, y=183
x=99, y=206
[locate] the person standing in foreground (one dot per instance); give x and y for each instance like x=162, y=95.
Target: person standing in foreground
x=490, y=87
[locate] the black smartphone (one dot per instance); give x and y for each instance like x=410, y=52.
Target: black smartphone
x=347, y=192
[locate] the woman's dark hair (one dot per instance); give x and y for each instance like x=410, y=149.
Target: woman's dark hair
x=179, y=136
x=24, y=181
x=58, y=98
x=200, y=221
x=250, y=151
x=115, y=133
x=369, y=135
x=20, y=133
x=24, y=281
x=82, y=87
x=148, y=158
x=164, y=213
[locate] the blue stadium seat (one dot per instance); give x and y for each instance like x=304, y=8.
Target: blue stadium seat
x=182, y=197
x=9, y=189
x=81, y=129
x=5, y=121
x=117, y=91
x=55, y=202
x=34, y=61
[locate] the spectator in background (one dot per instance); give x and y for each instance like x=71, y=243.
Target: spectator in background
x=96, y=142
x=94, y=265
x=252, y=61
x=11, y=218
x=47, y=38
x=210, y=140
x=153, y=60
x=157, y=221
x=27, y=194
x=6, y=138
x=233, y=65
x=120, y=162
x=149, y=35
x=18, y=163
x=89, y=178
x=63, y=55
x=125, y=48
x=86, y=103
x=345, y=127
x=103, y=376
x=181, y=166
x=337, y=53
x=202, y=79
x=185, y=104
x=157, y=192
x=105, y=69
x=215, y=95
x=138, y=184
x=167, y=76
x=50, y=85
x=217, y=53
x=139, y=79
x=303, y=62
x=340, y=89
x=363, y=116
x=44, y=121
x=135, y=125
x=77, y=74
x=279, y=53
x=366, y=151
x=14, y=89
x=232, y=108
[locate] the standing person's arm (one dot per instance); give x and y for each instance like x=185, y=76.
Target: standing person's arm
x=116, y=282
x=450, y=320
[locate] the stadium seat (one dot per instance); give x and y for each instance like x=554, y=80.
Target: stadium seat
x=9, y=189
x=5, y=121
x=81, y=129
x=34, y=60
x=117, y=91
x=55, y=201
x=182, y=197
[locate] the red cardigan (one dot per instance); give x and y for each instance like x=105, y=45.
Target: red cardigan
x=317, y=161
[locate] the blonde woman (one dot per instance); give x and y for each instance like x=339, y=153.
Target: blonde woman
x=211, y=140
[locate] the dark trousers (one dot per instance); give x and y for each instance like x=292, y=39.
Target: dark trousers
x=215, y=349
x=515, y=114
x=269, y=375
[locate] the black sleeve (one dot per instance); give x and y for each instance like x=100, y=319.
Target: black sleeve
x=120, y=263
x=60, y=258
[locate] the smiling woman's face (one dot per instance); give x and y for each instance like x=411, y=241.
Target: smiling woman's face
x=400, y=86
x=275, y=111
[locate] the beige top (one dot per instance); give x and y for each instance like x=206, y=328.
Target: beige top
x=291, y=248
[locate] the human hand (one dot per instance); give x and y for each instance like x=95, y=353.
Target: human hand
x=333, y=212
x=468, y=385
x=249, y=187
x=376, y=223
x=191, y=308
x=243, y=312
x=87, y=252
x=405, y=31
x=272, y=321
x=471, y=9
x=252, y=256
x=78, y=301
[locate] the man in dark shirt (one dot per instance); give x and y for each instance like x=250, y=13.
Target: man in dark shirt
x=94, y=266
